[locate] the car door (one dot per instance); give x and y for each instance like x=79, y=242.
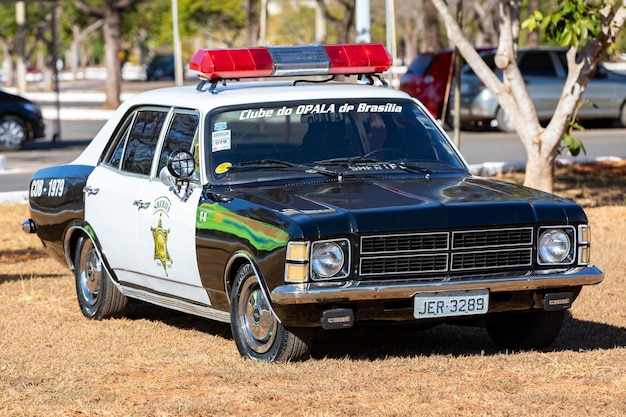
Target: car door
x=112, y=193
x=166, y=226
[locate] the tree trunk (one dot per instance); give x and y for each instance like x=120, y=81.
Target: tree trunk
x=112, y=38
x=111, y=13
x=252, y=22
x=431, y=27
x=541, y=145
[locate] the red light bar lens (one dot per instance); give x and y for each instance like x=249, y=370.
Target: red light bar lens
x=278, y=61
x=232, y=63
x=363, y=58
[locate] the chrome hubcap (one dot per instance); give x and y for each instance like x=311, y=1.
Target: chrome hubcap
x=11, y=133
x=258, y=322
x=90, y=275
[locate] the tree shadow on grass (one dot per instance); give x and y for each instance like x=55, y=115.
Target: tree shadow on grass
x=15, y=257
x=380, y=342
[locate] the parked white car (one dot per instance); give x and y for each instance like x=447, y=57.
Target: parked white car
x=545, y=71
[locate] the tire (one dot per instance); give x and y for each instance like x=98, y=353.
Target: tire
x=536, y=329
x=258, y=333
x=505, y=123
x=98, y=296
x=622, y=115
x=13, y=133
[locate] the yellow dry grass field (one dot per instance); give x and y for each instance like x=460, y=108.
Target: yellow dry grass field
x=54, y=362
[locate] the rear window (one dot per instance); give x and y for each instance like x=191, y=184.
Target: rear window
x=421, y=64
x=537, y=64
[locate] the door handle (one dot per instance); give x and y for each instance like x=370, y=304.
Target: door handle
x=141, y=204
x=91, y=190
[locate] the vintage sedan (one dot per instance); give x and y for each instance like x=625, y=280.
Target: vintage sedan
x=289, y=208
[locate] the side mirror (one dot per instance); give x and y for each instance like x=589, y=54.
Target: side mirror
x=181, y=164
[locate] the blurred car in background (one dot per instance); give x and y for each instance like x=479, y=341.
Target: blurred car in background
x=161, y=67
x=544, y=71
x=20, y=121
x=428, y=78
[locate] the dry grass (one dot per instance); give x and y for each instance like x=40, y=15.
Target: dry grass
x=53, y=362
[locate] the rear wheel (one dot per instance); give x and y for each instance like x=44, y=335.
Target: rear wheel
x=13, y=133
x=98, y=296
x=256, y=329
x=526, y=330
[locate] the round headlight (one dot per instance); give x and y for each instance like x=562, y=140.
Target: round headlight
x=554, y=246
x=327, y=259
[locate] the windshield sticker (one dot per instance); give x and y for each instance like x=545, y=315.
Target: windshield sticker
x=320, y=108
x=220, y=126
x=223, y=168
x=424, y=121
x=221, y=140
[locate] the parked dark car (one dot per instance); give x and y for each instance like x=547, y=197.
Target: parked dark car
x=161, y=67
x=20, y=121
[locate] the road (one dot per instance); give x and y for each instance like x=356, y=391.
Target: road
x=476, y=147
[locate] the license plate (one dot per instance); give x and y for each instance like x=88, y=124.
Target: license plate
x=450, y=303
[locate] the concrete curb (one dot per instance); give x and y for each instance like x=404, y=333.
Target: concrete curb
x=14, y=197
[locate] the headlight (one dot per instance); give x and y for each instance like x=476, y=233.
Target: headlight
x=329, y=259
x=554, y=246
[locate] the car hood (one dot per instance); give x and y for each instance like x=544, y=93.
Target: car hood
x=370, y=205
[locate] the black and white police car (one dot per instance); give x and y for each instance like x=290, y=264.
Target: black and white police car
x=301, y=205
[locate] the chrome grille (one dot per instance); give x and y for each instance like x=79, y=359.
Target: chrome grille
x=485, y=238
x=400, y=243
x=443, y=252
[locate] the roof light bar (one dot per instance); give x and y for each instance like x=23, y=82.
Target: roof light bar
x=277, y=61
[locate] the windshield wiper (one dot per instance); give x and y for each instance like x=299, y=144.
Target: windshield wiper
x=364, y=160
x=414, y=168
x=278, y=164
x=353, y=160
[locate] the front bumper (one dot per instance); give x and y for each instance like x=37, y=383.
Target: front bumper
x=354, y=291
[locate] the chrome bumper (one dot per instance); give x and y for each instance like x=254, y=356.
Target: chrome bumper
x=381, y=290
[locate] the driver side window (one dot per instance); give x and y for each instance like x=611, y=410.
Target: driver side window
x=181, y=135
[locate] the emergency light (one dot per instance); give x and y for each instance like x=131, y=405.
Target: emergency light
x=281, y=61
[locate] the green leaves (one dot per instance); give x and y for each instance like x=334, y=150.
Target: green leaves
x=572, y=24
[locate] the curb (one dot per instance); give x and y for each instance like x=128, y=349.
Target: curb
x=15, y=197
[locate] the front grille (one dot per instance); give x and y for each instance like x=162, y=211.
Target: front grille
x=402, y=243
x=443, y=252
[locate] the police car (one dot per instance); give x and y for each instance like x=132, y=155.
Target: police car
x=304, y=205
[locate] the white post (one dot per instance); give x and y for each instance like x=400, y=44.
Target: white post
x=178, y=59
x=20, y=19
x=363, y=21
x=390, y=25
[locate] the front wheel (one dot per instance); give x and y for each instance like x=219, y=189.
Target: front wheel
x=258, y=333
x=13, y=133
x=527, y=330
x=98, y=296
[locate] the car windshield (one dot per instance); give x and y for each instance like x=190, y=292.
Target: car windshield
x=270, y=141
